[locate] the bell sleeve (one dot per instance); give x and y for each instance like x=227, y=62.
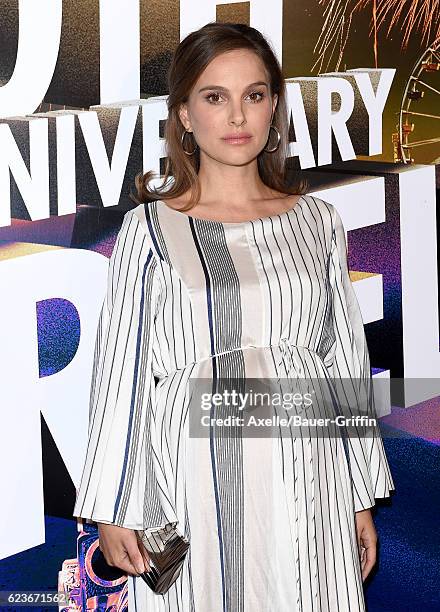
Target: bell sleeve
x=114, y=484
x=349, y=366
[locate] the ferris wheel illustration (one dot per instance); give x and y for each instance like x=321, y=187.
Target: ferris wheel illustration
x=417, y=123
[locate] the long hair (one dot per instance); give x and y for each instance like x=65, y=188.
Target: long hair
x=190, y=58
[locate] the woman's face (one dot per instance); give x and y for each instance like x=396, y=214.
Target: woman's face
x=230, y=97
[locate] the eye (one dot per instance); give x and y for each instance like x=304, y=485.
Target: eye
x=216, y=93
x=258, y=93
x=211, y=95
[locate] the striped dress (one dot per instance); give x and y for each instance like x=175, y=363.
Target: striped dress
x=270, y=519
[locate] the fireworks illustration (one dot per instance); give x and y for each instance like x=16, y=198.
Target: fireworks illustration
x=408, y=16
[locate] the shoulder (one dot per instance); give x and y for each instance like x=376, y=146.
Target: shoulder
x=140, y=217
x=138, y=213
x=148, y=228
x=135, y=232
x=322, y=211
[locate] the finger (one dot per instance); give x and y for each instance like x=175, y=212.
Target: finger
x=360, y=542
x=145, y=556
x=363, y=557
x=369, y=562
x=143, y=551
x=359, y=534
x=120, y=558
x=139, y=562
x=122, y=561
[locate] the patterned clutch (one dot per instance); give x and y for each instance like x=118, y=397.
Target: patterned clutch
x=166, y=549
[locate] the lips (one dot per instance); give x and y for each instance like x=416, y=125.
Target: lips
x=240, y=136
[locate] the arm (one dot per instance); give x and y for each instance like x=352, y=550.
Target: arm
x=113, y=482
x=349, y=359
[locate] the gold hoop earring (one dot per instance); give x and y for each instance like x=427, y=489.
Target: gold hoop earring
x=181, y=140
x=279, y=139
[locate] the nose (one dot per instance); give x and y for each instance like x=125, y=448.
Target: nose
x=236, y=115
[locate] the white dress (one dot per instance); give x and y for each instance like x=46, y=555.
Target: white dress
x=271, y=520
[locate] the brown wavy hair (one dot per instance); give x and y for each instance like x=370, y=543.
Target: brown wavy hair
x=190, y=58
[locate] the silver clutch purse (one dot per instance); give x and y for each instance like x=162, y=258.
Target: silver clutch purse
x=166, y=549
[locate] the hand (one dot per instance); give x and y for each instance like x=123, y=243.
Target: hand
x=121, y=548
x=367, y=540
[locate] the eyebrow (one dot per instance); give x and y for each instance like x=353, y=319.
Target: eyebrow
x=226, y=89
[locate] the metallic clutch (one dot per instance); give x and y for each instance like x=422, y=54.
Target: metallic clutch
x=166, y=549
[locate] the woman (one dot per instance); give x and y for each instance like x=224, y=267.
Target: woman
x=253, y=284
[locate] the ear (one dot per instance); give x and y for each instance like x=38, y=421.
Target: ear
x=183, y=114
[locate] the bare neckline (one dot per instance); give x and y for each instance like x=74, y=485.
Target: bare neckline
x=232, y=223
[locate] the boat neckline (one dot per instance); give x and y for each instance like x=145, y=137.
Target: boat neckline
x=231, y=223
